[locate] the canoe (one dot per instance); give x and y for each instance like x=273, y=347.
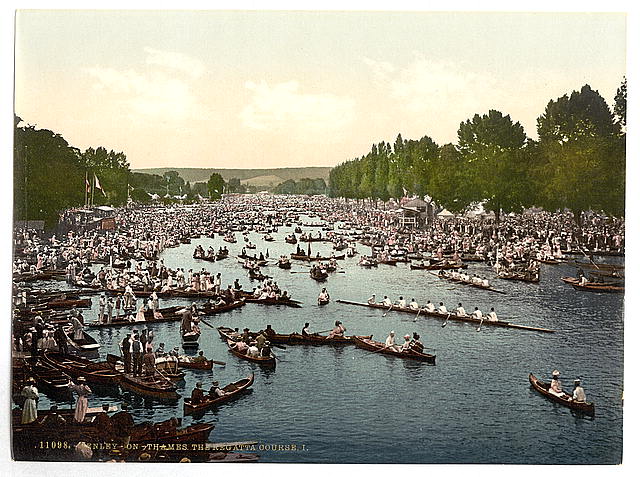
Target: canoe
x=100, y=373
x=230, y=340
x=233, y=390
x=448, y=316
x=378, y=347
x=543, y=388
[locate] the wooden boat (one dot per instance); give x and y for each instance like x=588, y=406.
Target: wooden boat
x=85, y=345
x=439, y=266
x=155, y=386
x=207, y=310
x=470, y=284
x=597, y=266
x=521, y=277
x=249, y=298
x=322, y=302
x=171, y=313
x=543, y=388
x=167, y=432
x=204, y=258
x=50, y=379
x=190, y=338
x=447, y=316
x=318, y=275
x=284, y=264
x=313, y=339
x=101, y=373
x=307, y=258
x=233, y=391
x=187, y=362
x=378, y=347
x=598, y=288
x=225, y=334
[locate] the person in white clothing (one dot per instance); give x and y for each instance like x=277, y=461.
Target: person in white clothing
x=442, y=308
x=414, y=304
x=555, y=387
x=386, y=301
x=402, y=303
x=430, y=306
x=460, y=310
x=578, y=392
x=390, y=342
x=477, y=313
x=492, y=315
x=372, y=300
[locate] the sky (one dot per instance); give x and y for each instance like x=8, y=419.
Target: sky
x=287, y=89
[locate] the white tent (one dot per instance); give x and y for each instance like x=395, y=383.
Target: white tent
x=445, y=213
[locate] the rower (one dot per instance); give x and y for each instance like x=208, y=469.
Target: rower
x=305, y=330
x=402, y=303
x=414, y=304
x=460, y=310
x=372, y=300
x=578, y=392
x=555, y=387
x=198, y=359
x=386, y=301
x=492, y=315
x=245, y=335
x=430, y=307
x=338, y=330
x=406, y=346
x=416, y=344
x=442, y=308
x=197, y=395
x=390, y=342
x=477, y=314
x=215, y=391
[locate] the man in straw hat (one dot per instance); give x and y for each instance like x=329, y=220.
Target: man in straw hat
x=578, y=392
x=215, y=391
x=556, y=387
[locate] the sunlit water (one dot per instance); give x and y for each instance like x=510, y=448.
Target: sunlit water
x=349, y=405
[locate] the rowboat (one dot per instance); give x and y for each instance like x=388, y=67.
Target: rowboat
x=150, y=386
x=233, y=391
x=597, y=266
x=100, y=373
x=214, y=310
x=307, y=258
x=171, y=313
x=313, y=339
x=187, y=362
x=378, y=347
x=167, y=432
x=438, y=266
x=543, y=388
x=204, y=258
x=318, y=275
x=87, y=344
x=447, y=316
x=190, y=339
x=249, y=298
x=50, y=379
x=522, y=277
x=598, y=288
x=470, y=284
x=225, y=334
x=322, y=302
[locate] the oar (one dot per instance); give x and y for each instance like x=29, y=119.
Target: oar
x=416, y=318
x=206, y=323
x=385, y=313
x=481, y=320
x=590, y=259
x=445, y=321
x=221, y=363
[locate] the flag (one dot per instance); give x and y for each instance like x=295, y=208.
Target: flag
x=98, y=186
x=87, y=184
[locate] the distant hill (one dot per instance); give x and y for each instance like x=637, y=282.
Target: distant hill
x=258, y=177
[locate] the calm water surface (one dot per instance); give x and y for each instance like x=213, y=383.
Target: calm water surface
x=348, y=405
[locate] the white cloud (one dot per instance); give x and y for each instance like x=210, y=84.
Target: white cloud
x=154, y=97
x=283, y=106
x=191, y=66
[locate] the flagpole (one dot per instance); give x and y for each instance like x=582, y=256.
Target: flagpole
x=93, y=188
x=86, y=193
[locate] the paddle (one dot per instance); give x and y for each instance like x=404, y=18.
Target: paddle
x=417, y=315
x=481, y=320
x=385, y=313
x=445, y=321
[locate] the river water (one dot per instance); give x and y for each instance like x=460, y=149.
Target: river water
x=351, y=406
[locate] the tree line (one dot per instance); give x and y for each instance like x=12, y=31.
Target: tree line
x=578, y=162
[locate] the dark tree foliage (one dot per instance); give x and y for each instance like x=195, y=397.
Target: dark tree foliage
x=304, y=186
x=215, y=186
x=620, y=104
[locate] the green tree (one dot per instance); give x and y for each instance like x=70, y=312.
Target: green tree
x=215, y=186
x=620, y=106
x=493, y=149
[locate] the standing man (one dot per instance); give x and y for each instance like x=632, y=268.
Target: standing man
x=136, y=353
x=217, y=282
x=126, y=353
x=109, y=309
x=118, y=305
x=61, y=340
x=102, y=303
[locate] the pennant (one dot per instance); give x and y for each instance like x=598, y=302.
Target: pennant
x=98, y=185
